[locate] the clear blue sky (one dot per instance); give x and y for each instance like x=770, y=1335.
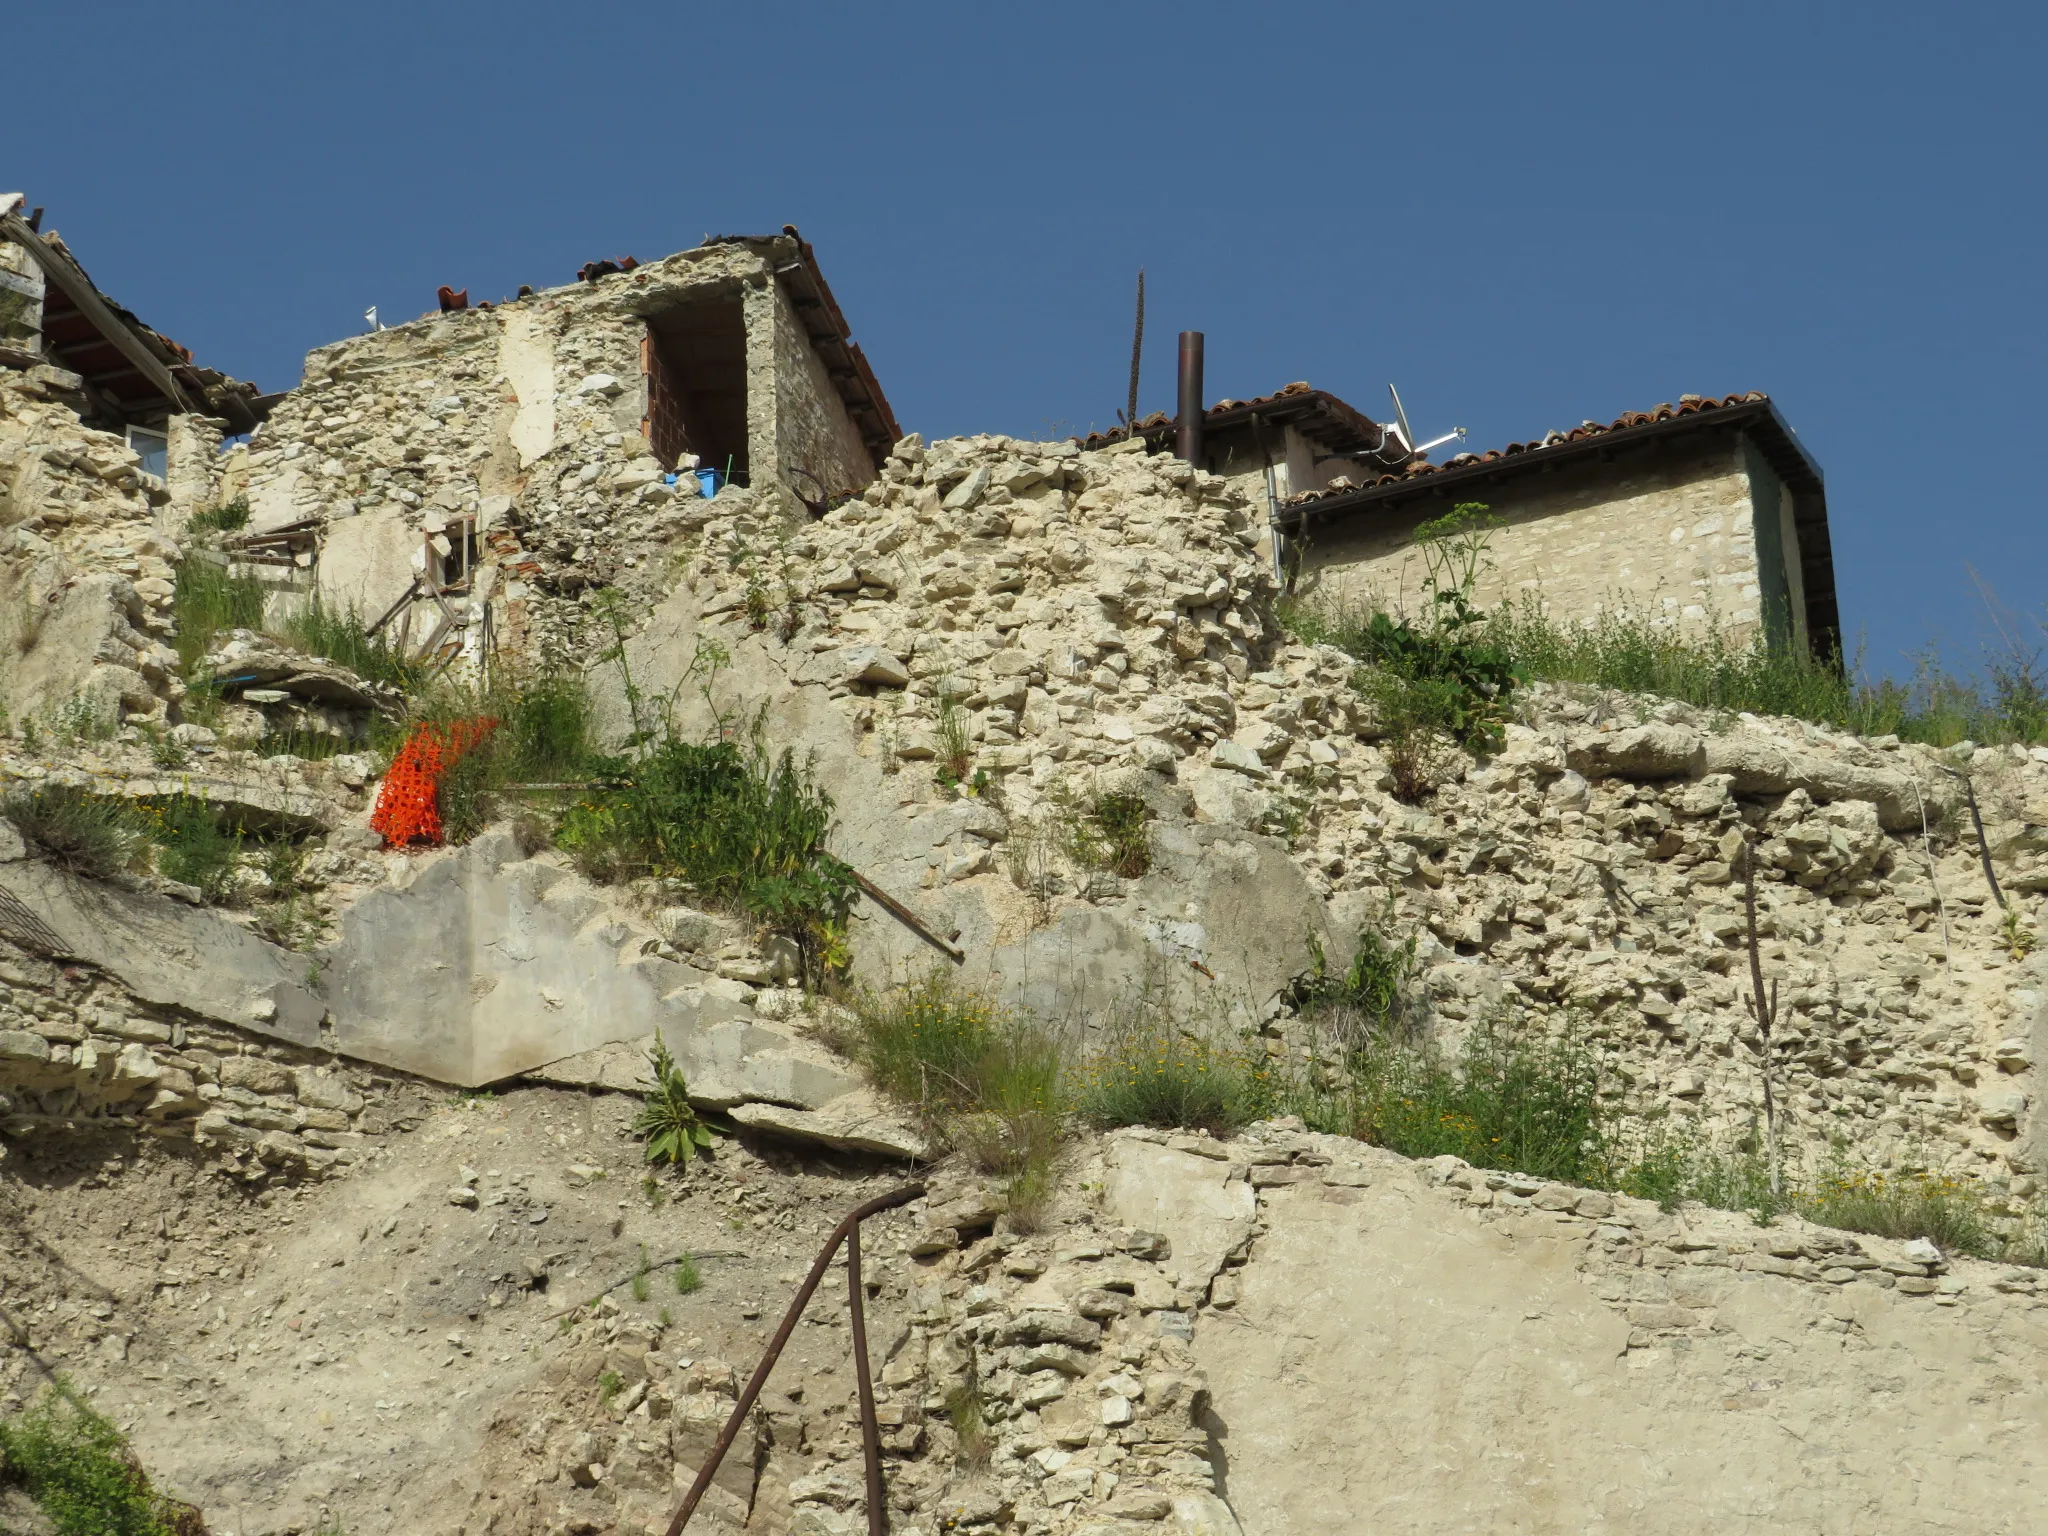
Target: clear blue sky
x=1526, y=215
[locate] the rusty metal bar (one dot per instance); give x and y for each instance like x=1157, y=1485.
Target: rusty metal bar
x=870, y=1431
x=759, y=1379
x=1188, y=440
x=906, y=917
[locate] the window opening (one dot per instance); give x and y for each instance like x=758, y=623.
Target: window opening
x=154, y=448
x=695, y=358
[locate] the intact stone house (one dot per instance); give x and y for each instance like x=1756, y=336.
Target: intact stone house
x=458, y=476
x=1704, y=512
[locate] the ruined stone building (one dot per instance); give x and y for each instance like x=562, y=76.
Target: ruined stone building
x=484, y=463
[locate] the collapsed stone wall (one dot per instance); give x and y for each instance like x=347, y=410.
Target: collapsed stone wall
x=86, y=569
x=79, y=1051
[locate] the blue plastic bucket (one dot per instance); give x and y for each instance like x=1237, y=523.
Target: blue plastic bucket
x=709, y=480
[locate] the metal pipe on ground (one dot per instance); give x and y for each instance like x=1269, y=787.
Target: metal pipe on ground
x=1188, y=438
x=870, y=1431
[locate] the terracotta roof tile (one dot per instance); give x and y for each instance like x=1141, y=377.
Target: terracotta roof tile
x=1688, y=405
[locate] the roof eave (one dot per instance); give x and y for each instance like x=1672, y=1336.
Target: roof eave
x=1787, y=455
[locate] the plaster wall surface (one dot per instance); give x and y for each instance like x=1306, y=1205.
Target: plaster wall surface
x=1669, y=536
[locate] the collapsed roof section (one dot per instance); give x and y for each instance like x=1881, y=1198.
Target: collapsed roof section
x=134, y=376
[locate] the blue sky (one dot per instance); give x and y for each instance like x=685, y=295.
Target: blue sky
x=1525, y=215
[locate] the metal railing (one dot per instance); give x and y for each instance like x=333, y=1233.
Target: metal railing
x=847, y=1232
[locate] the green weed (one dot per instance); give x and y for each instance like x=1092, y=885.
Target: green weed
x=228, y=517
x=207, y=599
x=90, y=835
x=689, y=1279
x=1948, y=1212
x=745, y=830
x=1147, y=1071
x=191, y=845
x=1511, y=1099
x=667, y=1122
x=640, y=1286
x=968, y=1416
x=77, y=1466
x=338, y=634
x=609, y=1385
x=983, y=1078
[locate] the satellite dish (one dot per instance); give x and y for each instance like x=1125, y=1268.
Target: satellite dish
x=1414, y=449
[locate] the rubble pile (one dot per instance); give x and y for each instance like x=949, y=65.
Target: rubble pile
x=1089, y=620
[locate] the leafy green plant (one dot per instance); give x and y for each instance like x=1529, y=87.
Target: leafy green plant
x=78, y=1468
x=609, y=1385
x=667, y=1121
x=90, y=835
x=1439, y=681
x=2014, y=933
x=746, y=831
x=1370, y=999
x=689, y=1279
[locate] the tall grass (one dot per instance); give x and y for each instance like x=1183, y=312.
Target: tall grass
x=192, y=846
x=543, y=736
x=983, y=1078
x=337, y=633
x=1633, y=651
x=1511, y=1099
x=208, y=598
x=91, y=835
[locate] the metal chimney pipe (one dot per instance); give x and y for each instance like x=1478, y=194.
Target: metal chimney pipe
x=1188, y=440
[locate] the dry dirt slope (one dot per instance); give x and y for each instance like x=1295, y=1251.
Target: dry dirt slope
x=1388, y=1346
x=368, y=1351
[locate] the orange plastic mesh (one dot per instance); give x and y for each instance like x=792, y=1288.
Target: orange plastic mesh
x=408, y=806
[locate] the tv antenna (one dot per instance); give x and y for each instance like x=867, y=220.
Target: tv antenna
x=1414, y=449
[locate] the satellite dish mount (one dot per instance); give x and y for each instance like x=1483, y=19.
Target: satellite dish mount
x=1413, y=449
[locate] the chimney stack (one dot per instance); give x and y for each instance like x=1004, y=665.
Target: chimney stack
x=1188, y=440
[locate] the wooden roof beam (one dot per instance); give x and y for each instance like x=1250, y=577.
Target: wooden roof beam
x=75, y=286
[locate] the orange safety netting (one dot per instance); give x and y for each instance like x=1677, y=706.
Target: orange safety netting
x=408, y=806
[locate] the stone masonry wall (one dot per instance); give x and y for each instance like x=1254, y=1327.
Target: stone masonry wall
x=812, y=430
x=78, y=1050
x=85, y=567
x=1670, y=537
